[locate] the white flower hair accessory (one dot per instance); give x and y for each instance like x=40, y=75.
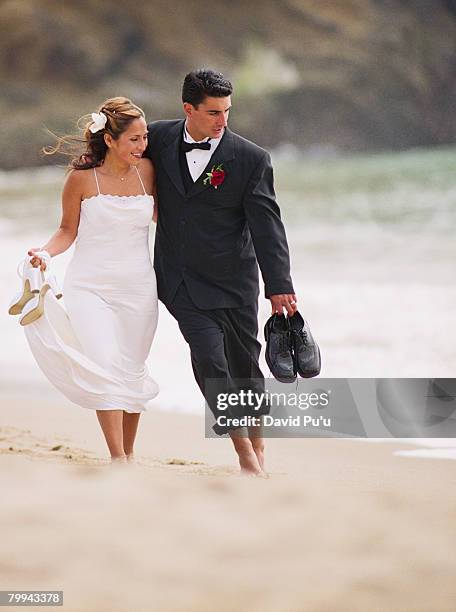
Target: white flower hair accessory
x=99, y=121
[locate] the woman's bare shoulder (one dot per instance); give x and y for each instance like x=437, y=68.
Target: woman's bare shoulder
x=79, y=177
x=146, y=166
x=79, y=181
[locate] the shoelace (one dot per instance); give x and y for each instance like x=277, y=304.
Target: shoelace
x=301, y=334
x=284, y=342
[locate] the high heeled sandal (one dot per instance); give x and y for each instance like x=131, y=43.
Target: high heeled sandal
x=35, y=308
x=33, y=279
x=52, y=282
x=47, y=277
x=31, y=284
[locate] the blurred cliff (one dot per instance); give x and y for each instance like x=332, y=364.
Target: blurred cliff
x=337, y=74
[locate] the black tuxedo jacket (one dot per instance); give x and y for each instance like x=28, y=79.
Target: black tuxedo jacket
x=212, y=238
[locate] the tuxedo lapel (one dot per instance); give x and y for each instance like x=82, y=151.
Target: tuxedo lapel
x=170, y=156
x=223, y=153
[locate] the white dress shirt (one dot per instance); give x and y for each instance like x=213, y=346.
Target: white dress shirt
x=198, y=159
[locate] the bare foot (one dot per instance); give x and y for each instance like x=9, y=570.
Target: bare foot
x=258, y=449
x=248, y=459
x=257, y=442
x=119, y=460
x=249, y=464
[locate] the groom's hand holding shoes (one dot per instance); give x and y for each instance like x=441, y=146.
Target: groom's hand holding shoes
x=284, y=300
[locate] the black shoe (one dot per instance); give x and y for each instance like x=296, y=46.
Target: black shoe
x=306, y=354
x=278, y=348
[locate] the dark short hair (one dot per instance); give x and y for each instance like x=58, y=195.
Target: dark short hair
x=199, y=84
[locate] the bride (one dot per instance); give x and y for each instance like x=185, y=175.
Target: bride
x=95, y=352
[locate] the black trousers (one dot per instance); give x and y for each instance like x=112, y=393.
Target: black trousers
x=224, y=348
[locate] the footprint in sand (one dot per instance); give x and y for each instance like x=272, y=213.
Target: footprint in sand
x=24, y=442
x=182, y=462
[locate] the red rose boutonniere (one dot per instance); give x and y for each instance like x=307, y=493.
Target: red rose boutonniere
x=215, y=177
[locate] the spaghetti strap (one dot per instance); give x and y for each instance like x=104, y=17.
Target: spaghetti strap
x=98, y=186
x=140, y=180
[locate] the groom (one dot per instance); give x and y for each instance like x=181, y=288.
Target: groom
x=217, y=217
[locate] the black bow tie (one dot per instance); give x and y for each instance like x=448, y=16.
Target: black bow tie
x=189, y=146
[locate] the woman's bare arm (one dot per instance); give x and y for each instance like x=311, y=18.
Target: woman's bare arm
x=68, y=230
x=148, y=172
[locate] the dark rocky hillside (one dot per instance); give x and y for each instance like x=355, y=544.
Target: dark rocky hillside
x=348, y=74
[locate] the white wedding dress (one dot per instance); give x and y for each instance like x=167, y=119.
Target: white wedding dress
x=94, y=348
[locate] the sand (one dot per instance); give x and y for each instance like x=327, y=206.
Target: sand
x=340, y=524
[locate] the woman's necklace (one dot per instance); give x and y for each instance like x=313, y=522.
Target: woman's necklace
x=122, y=178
